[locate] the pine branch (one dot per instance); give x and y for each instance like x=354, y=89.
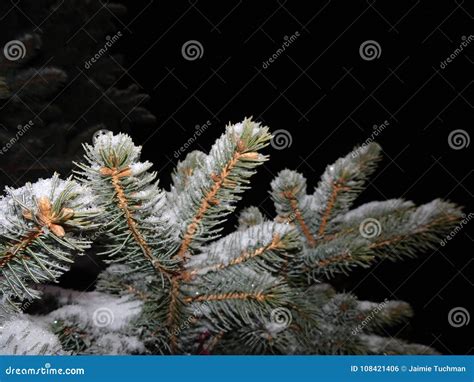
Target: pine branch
x=138, y=230
x=292, y=204
x=243, y=296
x=334, y=238
x=40, y=232
x=216, y=185
x=392, y=346
x=265, y=246
x=380, y=230
x=184, y=169
x=212, y=191
x=342, y=182
x=188, y=290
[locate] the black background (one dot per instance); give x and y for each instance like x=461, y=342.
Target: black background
x=328, y=98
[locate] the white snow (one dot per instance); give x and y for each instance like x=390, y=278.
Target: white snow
x=116, y=344
x=102, y=312
x=140, y=167
x=230, y=247
x=21, y=335
x=238, y=128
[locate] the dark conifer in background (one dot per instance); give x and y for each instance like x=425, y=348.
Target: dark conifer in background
x=59, y=83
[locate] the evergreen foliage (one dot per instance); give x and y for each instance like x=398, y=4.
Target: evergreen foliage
x=179, y=285
x=40, y=232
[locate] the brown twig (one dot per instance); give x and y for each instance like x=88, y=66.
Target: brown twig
x=259, y=296
x=299, y=217
x=336, y=188
x=115, y=176
x=274, y=244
